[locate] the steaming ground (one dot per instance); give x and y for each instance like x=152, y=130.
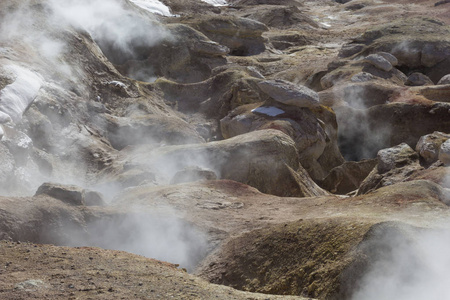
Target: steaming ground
x=412, y=267
x=120, y=26
x=59, y=87
x=160, y=236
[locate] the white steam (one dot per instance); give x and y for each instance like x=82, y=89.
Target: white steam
x=160, y=236
x=414, y=269
x=358, y=137
x=110, y=23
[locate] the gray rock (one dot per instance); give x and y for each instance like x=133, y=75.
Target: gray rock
x=444, y=80
x=418, y=79
x=289, y=93
x=350, y=49
x=93, y=198
x=379, y=62
x=251, y=158
x=428, y=146
x=362, y=77
x=391, y=158
x=241, y=35
x=29, y=285
x=444, y=152
x=389, y=57
x=70, y=194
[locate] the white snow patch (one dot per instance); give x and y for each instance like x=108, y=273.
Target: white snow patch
x=16, y=97
x=118, y=84
x=268, y=110
x=216, y=2
x=154, y=6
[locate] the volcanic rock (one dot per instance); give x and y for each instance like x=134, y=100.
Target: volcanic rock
x=444, y=80
x=241, y=35
x=444, y=152
x=290, y=94
x=184, y=49
x=391, y=158
x=428, y=146
x=347, y=177
x=283, y=17
x=423, y=48
x=248, y=158
x=93, y=198
x=418, y=79
x=312, y=131
x=389, y=57
x=69, y=194
x=394, y=165
x=379, y=62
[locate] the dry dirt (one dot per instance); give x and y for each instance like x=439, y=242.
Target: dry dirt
x=31, y=271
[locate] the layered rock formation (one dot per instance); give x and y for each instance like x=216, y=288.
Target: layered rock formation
x=292, y=148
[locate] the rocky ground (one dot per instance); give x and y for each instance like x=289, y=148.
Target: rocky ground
x=256, y=150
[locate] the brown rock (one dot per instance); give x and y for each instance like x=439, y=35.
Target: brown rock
x=348, y=176
x=69, y=194
x=243, y=36
x=250, y=158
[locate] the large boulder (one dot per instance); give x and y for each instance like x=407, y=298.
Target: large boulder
x=418, y=79
x=184, y=49
x=394, y=165
x=250, y=158
x=215, y=97
x=379, y=62
x=290, y=94
x=241, y=35
x=70, y=194
x=314, y=131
